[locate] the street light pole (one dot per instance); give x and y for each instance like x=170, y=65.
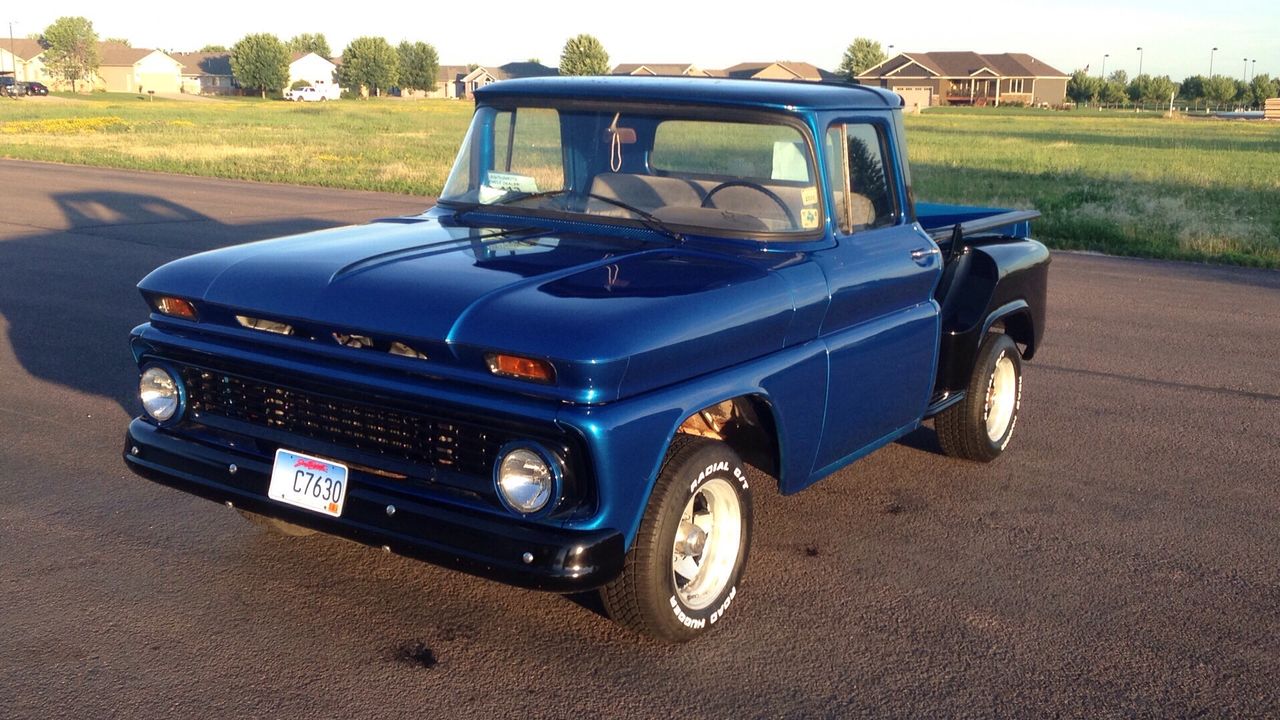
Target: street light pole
x=1139, y=62
x=1245, y=72
x=1104, y=65
x=1211, y=52
x=1253, y=68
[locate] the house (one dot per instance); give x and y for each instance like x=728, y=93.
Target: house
x=448, y=82
x=967, y=78
x=317, y=71
x=206, y=73
x=780, y=70
x=482, y=75
x=663, y=69
x=21, y=57
x=126, y=69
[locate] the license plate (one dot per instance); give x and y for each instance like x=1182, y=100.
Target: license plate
x=308, y=482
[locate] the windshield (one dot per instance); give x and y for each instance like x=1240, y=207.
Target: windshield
x=648, y=166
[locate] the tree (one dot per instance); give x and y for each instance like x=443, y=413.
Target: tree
x=861, y=54
x=118, y=41
x=72, y=53
x=214, y=48
x=371, y=63
x=1220, y=90
x=260, y=61
x=1113, y=91
x=1192, y=88
x=1083, y=87
x=419, y=66
x=1260, y=88
x=1151, y=90
x=1159, y=89
x=309, y=42
x=584, y=55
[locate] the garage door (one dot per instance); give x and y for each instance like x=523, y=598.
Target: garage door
x=915, y=97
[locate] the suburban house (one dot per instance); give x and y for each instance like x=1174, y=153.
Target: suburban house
x=126, y=69
x=781, y=70
x=967, y=78
x=314, y=70
x=483, y=75
x=206, y=73
x=23, y=60
x=448, y=80
x=664, y=69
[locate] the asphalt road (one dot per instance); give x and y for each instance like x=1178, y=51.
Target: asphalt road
x=1121, y=560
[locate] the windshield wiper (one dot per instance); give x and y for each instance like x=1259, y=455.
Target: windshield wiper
x=465, y=207
x=648, y=219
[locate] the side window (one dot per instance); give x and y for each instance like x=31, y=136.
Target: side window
x=856, y=164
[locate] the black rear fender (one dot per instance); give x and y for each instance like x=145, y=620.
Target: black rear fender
x=995, y=283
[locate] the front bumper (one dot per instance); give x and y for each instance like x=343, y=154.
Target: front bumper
x=562, y=560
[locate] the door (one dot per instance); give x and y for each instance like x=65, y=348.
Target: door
x=881, y=327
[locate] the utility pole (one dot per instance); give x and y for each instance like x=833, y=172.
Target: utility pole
x=1139, y=61
x=1211, y=52
x=13, y=61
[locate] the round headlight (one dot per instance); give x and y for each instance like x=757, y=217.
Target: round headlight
x=159, y=392
x=526, y=480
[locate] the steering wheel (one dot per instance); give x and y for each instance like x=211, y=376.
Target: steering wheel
x=786, y=210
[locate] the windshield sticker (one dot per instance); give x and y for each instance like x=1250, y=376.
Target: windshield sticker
x=809, y=218
x=809, y=196
x=512, y=182
x=790, y=161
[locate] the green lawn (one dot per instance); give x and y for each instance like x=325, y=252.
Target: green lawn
x=1114, y=182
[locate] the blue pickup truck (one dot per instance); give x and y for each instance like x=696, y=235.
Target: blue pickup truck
x=629, y=291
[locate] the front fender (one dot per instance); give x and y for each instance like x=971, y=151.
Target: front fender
x=627, y=440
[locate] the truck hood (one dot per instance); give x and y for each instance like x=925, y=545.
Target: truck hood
x=615, y=315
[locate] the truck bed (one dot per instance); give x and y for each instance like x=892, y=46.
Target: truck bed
x=940, y=220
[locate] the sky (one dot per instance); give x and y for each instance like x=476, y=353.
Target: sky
x=1177, y=35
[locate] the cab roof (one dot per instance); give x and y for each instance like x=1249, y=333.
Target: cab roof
x=771, y=94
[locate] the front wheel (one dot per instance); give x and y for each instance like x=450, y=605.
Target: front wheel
x=682, y=573
x=980, y=426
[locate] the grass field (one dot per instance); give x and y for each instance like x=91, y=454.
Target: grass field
x=1112, y=182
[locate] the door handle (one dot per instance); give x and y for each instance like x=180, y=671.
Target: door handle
x=920, y=254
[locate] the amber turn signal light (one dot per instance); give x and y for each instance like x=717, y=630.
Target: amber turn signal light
x=521, y=367
x=176, y=307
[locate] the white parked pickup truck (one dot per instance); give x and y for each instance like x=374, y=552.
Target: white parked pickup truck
x=313, y=94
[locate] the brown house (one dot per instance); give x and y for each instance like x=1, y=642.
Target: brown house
x=207, y=73
x=967, y=78
x=661, y=69
x=780, y=70
x=482, y=75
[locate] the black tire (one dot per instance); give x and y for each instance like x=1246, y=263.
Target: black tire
x=276, y=526
x=645, y=597
x=962, y=428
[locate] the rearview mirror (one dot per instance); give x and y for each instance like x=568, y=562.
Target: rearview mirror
x=625, y=135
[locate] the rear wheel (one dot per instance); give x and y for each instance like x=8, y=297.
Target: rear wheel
x=275, y=526
x=980, y=426
x=682, y=574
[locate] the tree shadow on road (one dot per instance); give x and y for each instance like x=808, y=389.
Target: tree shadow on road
x=69, y=296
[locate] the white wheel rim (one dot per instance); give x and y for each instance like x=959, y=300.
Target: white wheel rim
x=706, y=544
x=1002, y=398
